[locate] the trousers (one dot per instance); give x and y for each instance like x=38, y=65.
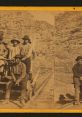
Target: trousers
x=23, y=86
x=28, y=63
x=77, y=88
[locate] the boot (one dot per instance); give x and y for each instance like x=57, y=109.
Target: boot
x=6, y=101
x=22, y=102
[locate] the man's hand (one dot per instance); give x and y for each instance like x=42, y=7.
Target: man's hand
x=17, y=82
x=23, y=58
x=8, y=83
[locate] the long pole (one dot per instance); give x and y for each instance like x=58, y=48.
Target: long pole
x=54, y=79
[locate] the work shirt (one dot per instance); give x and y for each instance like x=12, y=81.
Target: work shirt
x=26, y=51
x=20, y=70
x=77, y=70
x=13, y=51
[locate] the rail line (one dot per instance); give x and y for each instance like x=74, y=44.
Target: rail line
x=39, y=90
x=66, y=106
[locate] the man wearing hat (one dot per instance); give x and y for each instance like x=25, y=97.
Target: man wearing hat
x=26, y=54
x=14, y=49
x=77, y=77
x=18, y=75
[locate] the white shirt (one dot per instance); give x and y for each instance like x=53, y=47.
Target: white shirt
x=13, y=51
x=26, y=50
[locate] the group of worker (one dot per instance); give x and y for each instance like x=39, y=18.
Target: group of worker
x=21, y=68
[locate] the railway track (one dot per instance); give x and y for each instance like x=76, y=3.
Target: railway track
x=66, y=106
x=44, y=93
x=40, y=92
x=41, y=81
x=40, y=95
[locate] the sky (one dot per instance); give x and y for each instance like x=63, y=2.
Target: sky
x=48, y=16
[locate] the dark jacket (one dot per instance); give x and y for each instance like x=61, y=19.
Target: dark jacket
x=77, y=70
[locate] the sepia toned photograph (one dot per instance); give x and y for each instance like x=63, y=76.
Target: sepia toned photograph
x=40, y=59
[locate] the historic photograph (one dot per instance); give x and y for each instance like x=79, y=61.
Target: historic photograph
x=40, y=59
x=26, y=59
x=68, y=60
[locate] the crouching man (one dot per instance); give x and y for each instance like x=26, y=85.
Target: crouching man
x=18, y=75
x=77, y=77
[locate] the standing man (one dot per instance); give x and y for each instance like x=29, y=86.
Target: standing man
x=26, y=53
x=77, y=77
x=18, y=77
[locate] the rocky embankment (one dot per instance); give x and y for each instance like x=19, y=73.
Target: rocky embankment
x=68, y=39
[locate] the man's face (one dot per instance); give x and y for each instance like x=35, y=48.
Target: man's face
x=80, y=61
x=25, y=41
x=15, y=43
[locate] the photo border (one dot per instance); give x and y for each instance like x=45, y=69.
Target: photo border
x=7, y=8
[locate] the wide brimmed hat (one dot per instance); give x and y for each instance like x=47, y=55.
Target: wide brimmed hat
x=78, y=58
x=15, y=40
x=26, y=37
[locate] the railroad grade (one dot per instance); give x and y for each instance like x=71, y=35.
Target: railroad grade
x=44, y=95
x=41, y=83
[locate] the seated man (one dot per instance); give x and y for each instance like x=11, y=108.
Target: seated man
x=18, y=75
